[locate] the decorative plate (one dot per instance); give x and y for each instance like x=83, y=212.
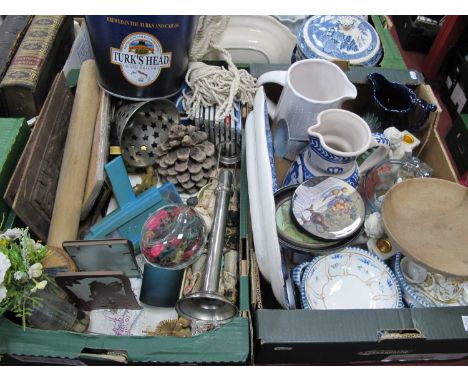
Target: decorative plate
x=328, y=208
x=350, y=279
x=348, y=38
x=262, y=203
x=256, y=39
x=435, y=290
x=290, y=234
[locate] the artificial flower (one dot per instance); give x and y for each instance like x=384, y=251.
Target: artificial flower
x=4, y=266
x=19, y=275
x=3, y=292
x=35, y=270
x=12, y=234
x=40, y=285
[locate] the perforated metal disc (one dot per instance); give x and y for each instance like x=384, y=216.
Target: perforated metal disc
x=140, y=127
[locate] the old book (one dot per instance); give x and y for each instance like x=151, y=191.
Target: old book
x=31, y=191
x=14, y=133
x=12, y=31
x=40, y=56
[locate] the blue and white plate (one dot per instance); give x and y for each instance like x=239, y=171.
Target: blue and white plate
x=350, y=279
x=348, y=38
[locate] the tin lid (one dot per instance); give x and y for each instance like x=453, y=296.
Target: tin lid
x=348, y=38
x=328, y=208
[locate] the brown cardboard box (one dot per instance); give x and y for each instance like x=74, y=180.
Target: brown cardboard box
x=360, y=336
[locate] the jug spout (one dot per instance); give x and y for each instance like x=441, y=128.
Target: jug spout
x=350, y=91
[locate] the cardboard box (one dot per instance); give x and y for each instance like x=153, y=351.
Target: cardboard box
x=457, y=142
x=359, y=336
x=229, y=344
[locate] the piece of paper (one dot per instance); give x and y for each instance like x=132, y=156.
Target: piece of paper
x=465, y=322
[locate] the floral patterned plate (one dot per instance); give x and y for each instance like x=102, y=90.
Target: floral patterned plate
x=328, y=208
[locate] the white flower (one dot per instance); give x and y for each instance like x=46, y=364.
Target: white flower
x=19, y=275
x=4, y=266
x=37, y=246
x=12, y=234
x=3, y=292
x=40, y=285
x=35, y=270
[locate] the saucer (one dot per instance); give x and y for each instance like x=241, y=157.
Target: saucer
x=350, y=279
x=328, y=208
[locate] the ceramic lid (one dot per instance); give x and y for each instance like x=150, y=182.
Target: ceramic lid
x=348, y=38
x=328, y=208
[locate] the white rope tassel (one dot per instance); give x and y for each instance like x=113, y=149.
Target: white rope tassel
x=214, y=85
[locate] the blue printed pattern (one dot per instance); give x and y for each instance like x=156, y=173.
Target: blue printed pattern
x=326, y=34
x=271, y=154
x=316, y=146
x=419, y=298
x=381, y=139
x=299, y=172
x=335, y=170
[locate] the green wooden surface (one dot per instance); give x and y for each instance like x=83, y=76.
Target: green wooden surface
x=14, y=134
x=392, y=58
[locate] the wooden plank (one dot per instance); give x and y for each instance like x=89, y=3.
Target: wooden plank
x=99, y=152
x=34, y=183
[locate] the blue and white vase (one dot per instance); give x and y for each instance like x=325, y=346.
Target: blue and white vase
x=335, y=143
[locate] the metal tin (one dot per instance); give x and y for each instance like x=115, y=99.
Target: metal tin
x=140, y=127
x=141, y=57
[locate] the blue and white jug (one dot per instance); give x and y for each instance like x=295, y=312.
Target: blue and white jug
x=335, y=142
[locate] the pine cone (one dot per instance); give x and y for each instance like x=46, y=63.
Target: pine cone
x=186, y=158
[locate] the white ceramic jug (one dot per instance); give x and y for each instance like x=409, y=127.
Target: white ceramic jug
x=336, y=141
x=309, y=87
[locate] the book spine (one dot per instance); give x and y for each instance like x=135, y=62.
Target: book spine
x=33, y=52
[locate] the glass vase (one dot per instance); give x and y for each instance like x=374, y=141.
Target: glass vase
x=55, y=313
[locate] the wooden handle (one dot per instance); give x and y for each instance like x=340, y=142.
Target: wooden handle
x=73, y=173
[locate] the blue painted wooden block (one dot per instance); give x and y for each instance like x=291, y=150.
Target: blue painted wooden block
x=127, y=221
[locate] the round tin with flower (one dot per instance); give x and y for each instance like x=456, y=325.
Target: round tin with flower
x=173, y=237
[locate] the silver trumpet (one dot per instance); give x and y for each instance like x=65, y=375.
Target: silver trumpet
x=208, y=305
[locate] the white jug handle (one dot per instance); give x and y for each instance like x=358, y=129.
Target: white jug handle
x=378, y=140
x=277, y=77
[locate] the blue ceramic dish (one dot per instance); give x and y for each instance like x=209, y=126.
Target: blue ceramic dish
x=348, y=38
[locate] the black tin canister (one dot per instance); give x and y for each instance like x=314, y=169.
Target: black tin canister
x=141, y=57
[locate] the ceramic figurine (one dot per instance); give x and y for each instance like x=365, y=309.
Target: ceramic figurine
x=309, y=87
x=346, y=38
x=397, y=105
x=335, y=142
x=374, y=226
